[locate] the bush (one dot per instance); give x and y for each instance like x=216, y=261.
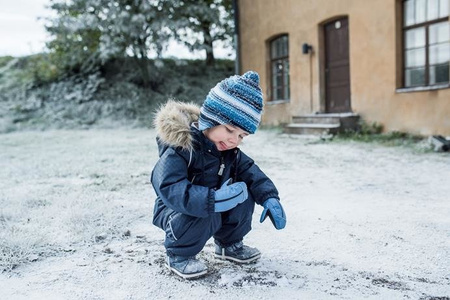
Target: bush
x=42, y=69
x=373, y=132
x=36, y=96
x=4, y=60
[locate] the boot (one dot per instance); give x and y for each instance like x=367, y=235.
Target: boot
x=237, y=252
x=186, y=267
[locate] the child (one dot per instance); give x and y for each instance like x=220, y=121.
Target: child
x=206, y=187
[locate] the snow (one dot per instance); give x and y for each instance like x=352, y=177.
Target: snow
x=364, y=221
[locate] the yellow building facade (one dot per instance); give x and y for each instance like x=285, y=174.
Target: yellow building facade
x=384, y=60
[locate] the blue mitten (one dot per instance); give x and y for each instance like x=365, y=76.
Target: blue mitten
x=273, y=209
x=230, y=195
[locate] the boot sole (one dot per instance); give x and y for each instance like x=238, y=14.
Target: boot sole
x=237, y=260
x=187, y=276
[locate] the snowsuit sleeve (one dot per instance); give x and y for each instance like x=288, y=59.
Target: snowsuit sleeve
x=258, y=184
x=170, y=181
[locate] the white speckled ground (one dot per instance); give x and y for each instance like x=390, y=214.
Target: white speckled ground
x=364, y=221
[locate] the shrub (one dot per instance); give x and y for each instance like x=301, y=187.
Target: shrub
x=373, y=132
x=37, y=96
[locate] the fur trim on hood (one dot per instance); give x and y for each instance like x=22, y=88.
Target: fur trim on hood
x=173, y=123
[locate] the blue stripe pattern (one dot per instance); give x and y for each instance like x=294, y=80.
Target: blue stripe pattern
x=236, y=100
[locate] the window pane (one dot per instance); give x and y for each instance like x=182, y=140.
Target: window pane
x=439, y=74
x=286, y=93
x=409, y=12
x=439, y=54
x=273, y=49
x=280, y=80
x=276, y=48
x=432, y=10
x=274, y=74
x=279, y=47
x=415, y=58
x=286, y=79
x=280, y=68
x=279, y=94
x=420, y=11
x=443, y=8
x=439, y=33
x=274, y=94
x=284, y=46
x=415, y=38
x=414, y=77
x=277, y=79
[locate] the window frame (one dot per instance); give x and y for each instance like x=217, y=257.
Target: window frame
x=426, y=25
x=283, y=59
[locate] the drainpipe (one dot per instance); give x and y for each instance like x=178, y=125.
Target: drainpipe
x=237, y=61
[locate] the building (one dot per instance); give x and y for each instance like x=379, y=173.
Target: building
x=385, y=60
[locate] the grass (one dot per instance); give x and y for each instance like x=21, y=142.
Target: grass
x=20, y=240
x=55, y=200
x=388, y=139
x=373, y=133
x=35, y=229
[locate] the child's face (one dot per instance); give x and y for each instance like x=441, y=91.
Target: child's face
x=225, y=137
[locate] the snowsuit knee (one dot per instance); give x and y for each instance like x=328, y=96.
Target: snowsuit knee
x=187, y=235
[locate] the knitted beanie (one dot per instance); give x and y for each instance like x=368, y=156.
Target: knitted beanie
x=236, y=100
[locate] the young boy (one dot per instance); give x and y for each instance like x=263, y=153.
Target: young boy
x=206, y=187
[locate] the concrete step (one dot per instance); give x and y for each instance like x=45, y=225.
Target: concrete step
x=322, y=123
x=316, y=119
x=313, y=129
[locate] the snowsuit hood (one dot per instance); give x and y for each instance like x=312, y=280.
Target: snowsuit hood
x=173, y=122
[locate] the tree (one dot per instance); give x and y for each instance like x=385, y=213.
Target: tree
x=133, y=28
x=199, y=23
x=75, y=37
x=87, y=32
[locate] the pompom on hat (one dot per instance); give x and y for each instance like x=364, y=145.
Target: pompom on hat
x=236, y=100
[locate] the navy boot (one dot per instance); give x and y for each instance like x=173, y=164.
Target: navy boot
x=237, y=252
x=186, y=267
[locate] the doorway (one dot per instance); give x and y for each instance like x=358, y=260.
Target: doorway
x=337, y=66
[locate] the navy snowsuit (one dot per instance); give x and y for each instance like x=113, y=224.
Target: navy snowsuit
x=184, y=182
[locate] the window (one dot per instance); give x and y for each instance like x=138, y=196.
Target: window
x=279, y=64
x=426, y=32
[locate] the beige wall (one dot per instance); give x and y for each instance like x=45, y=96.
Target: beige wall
x=375, y=62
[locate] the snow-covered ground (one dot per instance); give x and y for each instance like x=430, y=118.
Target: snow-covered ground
x=364, y=221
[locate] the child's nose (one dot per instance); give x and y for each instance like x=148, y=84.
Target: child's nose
x=234, y=139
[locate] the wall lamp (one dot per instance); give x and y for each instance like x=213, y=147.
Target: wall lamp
x=306, y=48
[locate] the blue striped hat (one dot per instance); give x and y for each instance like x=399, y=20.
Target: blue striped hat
x=236, y=100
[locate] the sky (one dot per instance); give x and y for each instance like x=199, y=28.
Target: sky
x=22, y=33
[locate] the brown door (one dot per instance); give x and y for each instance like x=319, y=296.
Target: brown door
x=337, y=67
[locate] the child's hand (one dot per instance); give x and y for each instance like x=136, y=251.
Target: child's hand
x=229, y=196
x=273, y=209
